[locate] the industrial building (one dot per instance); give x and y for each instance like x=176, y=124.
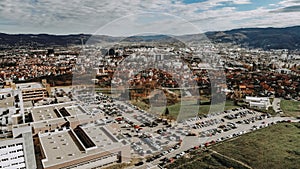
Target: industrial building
x=84, y=147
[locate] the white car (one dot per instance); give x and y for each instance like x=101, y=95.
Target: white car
x=182, y=153
x=172, y=138
x=177, y=146
x=165, y=152
x=170, y=150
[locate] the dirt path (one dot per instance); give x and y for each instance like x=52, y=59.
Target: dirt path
x=243, y=164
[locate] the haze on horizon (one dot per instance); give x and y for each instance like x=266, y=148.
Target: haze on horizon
x=171, y=16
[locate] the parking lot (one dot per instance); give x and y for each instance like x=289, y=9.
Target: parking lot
x=147, y=133
x=252, y=121
x=159, y=143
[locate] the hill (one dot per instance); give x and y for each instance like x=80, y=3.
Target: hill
x=265, y=38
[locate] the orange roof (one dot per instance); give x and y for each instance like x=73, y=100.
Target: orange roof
x=242, y=87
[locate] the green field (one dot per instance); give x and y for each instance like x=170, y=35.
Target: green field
x=189, y=108
x=274, y=147
x=140, y=104
x=290, y=108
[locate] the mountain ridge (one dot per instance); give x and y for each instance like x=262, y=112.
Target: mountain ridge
x=265, y=38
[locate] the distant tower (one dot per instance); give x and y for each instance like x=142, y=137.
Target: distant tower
x=81, y=38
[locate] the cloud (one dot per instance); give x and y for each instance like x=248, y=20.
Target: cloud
x=239, y=2
x=88, y=16
x=289, y=2
x=295, y=8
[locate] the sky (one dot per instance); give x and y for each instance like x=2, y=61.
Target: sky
x=123, y=17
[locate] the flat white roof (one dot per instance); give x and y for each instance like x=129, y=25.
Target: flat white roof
x=59, y=147
x=257, y=98
x=74, y=110
x=257, y=104
x=31, y=85
x=46, y=112
x=63, y=146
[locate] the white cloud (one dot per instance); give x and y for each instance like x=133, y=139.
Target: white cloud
x=286, y=3
x=87, y=16
x=240, y=2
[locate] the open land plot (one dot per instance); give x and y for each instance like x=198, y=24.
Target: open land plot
x=290, y=108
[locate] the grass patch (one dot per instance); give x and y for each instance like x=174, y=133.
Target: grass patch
x=121, y=165
x=205, y=160
x=275, y=147
x=106, y=91
x=290, y=107
x=140, y=104
x=109, y=92
x=189, y=108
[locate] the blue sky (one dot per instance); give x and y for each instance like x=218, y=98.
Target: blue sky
x=89, y=16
